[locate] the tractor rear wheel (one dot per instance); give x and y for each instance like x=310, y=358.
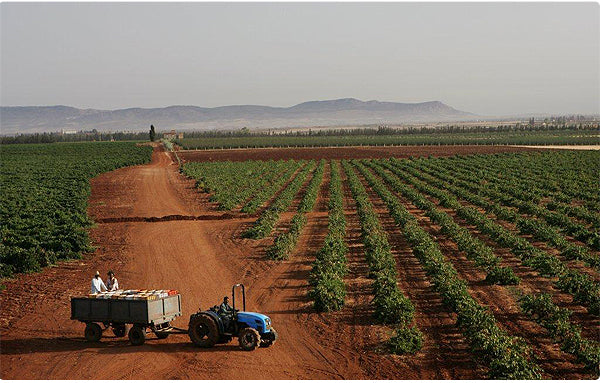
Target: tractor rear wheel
x=93, y=332
x=249, y=339
x=203, y=330
x=137, y=335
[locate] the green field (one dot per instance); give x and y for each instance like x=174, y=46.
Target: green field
x=557, y=137
x=44, y=191
x=539, y=209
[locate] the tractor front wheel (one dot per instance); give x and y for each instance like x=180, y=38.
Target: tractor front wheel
x=203, y=331
x=249, y=339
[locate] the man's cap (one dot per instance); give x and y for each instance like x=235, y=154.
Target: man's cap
x=110, y=272
x=225, y=298
x=97, y=273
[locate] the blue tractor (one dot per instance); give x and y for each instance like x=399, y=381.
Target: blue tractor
x=211, y=327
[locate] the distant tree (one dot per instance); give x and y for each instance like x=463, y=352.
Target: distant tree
x=152, y=133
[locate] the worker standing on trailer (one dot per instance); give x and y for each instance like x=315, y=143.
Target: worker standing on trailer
x=111, y=283
x=97, y=284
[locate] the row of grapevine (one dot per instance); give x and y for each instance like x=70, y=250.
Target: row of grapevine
x=507, y=194
x=286, y=242
x=506, y=356
x=536, y=175
x=560, y=176
x=269, y=189
x=581, y=286
x=573, y=137
x=475, y=250
x=232, y=183
x=535, y=227
x=328, y=290
x=556, y=321
x=583, y=347
x=44, y=191
x=391, y=305
x=265, y=223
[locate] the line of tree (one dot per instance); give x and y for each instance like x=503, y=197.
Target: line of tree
x=387, y=131
x=94, y=135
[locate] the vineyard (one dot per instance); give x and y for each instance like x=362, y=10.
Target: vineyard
x=509, y=242
x=44, y=191
x=588, y=136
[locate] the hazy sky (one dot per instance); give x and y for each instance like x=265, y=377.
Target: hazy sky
x=489, y=58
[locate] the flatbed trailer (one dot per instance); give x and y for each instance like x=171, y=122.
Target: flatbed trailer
x=143, y=315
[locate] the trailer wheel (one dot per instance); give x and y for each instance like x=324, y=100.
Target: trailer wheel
x=137, y=335
x=120, y=330
x=249, y=339
x=203, y=331
x=93, y=332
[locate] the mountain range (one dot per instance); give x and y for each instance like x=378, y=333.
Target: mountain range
x=347, y=111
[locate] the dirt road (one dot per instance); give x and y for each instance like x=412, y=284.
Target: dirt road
x=201, y=258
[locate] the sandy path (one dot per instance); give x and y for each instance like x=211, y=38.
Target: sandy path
x=200, y=258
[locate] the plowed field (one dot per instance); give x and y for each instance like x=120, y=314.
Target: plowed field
x=155, y=229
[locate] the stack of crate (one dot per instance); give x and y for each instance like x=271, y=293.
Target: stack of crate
x=147, y=295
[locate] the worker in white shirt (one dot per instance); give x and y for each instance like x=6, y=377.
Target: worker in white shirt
x=97, y=284
x=111, y=283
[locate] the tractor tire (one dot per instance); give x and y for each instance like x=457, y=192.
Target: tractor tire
x=137, y=335
x=162, y=335
x=93, y=332
x=269, y=343
x=249, y=339
x=120, y=330
x=203, y=331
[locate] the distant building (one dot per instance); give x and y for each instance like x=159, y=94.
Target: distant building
x=68, y=131
x=172, y=135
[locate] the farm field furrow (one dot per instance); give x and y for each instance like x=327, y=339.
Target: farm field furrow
x=443, y=344
x=572, y=281
x=548, y=238
x=285, y=243
x=497, y=190
x=530, y=281
x=530, y=173
x=502, y=303
x=476, y=322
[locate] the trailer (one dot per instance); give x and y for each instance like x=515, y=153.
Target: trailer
x=142, y=315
